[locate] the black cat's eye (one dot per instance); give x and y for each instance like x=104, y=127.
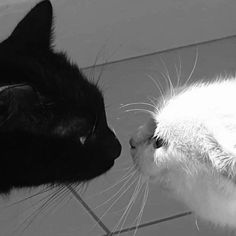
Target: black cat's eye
x=84, y=138
x=158, y=143
x=94, y=125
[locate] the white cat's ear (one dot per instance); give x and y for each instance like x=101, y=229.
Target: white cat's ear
x=222, y=146
x=35, y=29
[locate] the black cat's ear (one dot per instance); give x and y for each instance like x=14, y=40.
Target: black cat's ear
x=35, y=29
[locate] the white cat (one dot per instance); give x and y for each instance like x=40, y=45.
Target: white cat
x=189, y=147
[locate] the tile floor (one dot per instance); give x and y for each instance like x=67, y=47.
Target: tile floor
x=125, y=82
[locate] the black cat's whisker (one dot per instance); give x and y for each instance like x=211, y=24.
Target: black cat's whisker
x=137, y=103
x=28, y=220
x=28, y=197
x=50, y=206
x=39, y=201
x=43, y=198
x=104, y=63
x=115, y=201
x=140, y=110
x=51, y=203
x=139, y=218
x=171, y=87
x=129, y=206
x=121, y=169
x=48, y=199
x=93, y=68
x=58, y=201
x=157, y=85
x=127, y=175
x=100, y=75
x=81, y=187
x=193, y=69
x=121, y=188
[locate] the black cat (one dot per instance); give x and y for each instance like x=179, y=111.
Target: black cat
x=53, y=127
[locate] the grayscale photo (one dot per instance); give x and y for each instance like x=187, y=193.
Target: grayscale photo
x=117, y=117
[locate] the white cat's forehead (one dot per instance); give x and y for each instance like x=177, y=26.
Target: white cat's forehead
x=199, y=101
x=195, y=107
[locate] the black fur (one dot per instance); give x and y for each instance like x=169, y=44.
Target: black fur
x=53, y=127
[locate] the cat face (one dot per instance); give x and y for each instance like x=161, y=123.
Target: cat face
x=191, y=129
x=177, y=138
x=53, y=121
x=188, y=147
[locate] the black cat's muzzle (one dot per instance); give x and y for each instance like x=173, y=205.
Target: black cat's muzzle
x=105, y=142
x=113, y=147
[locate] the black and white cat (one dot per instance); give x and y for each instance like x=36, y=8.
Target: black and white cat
x=53, y=127
x=189, y=148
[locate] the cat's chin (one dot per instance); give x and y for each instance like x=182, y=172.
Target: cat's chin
x=100, y=169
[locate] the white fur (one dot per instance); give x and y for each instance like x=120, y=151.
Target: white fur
x=197, y=164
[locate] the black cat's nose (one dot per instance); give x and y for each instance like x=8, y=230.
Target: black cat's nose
x=112, y=145
x=115, y=148
x=107, y=142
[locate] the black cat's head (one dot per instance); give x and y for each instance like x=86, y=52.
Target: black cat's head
x=53, y=126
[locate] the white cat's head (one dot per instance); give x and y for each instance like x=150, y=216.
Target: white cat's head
x=193, y=130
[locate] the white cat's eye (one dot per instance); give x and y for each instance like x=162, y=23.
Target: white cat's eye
x=158, y=143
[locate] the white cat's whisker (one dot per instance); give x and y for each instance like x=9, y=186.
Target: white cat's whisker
x=153, y=100
x=196, y=223
x=137, y=103
x=116, y=200
x=113, y=196
x=180, y=71
x=123, y=178
x=129, y=206
x=177, y=75
x=193, y=69
x=145, y=197
x=157, y=85
x=140, y=110
x=171, y=87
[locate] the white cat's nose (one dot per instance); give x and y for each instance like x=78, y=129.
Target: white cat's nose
x=132, y=143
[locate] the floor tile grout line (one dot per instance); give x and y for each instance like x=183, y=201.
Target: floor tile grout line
x=158, y=52
x=107, y=231
x=150, y=223
x=89, y=210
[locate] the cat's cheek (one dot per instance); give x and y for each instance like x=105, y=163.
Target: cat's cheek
x=150, y=163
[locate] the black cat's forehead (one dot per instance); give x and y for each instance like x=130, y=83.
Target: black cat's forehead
x=28, y=57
